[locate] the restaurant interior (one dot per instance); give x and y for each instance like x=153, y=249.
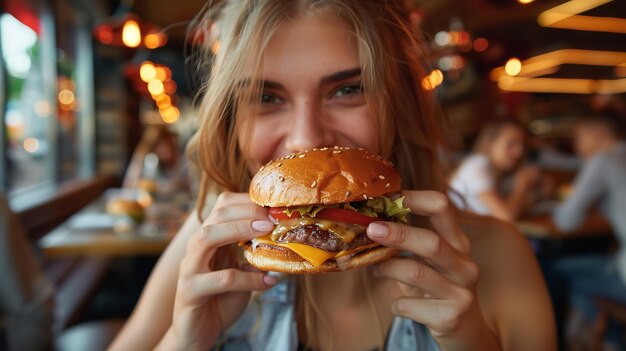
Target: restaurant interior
x=97, y=106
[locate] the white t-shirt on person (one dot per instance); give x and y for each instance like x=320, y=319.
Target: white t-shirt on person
x=473, y=178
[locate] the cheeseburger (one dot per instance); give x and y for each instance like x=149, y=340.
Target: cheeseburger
x=322, y=201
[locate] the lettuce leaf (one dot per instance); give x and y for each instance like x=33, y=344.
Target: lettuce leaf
x=392, y=209
x=379, y=207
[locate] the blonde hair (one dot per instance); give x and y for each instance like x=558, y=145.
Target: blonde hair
x=392, y=59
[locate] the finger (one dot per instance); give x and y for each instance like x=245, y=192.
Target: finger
x=220, y=234
x=442, y=317
x=237, y=212
x=428, y=245
x=228, y=280
x=442, y=215
x=425, y=202
x=417, y=275
x=203, y=243
x=228, y=198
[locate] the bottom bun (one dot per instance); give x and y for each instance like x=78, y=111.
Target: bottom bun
x=277, y=259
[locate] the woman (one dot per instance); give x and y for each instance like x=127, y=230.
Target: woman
x=498, y=153
x=298, y=74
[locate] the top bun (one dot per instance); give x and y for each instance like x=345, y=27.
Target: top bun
x=328, y=175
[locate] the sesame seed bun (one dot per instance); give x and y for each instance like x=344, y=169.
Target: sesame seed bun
x=323, y=176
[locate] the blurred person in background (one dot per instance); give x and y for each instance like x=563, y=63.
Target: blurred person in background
x=479, y=182
x=600, y=185
x=156, y=165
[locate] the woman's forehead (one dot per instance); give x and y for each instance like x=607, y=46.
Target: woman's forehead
x=311, y=45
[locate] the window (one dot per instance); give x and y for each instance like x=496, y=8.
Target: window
x=47, y=120
x=27, y=112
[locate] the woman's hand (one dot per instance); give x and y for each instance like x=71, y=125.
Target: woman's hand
x=438, y=281
x=212, y=291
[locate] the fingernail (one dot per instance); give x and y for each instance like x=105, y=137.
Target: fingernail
x=269, y=280
x=377, y=230
x=262, y=226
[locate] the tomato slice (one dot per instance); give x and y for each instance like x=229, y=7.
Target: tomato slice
x=346, y=216
x=279, y=213
x=333, y=214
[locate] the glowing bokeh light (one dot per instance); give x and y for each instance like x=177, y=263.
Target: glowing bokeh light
x=442, y=38
x=147, y=71
x=170, y=114
x=105, y=35
x=131, y=34
x=155, y=40
x=66, y=97
x=31, y=145
x=155, y=87
x=513, y=67
x=163, y=101
x=481, y=44
x=163, y=73
x=433, y=80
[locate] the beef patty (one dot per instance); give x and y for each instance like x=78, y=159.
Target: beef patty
x=312, y=235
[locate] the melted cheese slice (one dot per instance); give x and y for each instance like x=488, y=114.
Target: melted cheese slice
x=311, y=254
x=345, y=231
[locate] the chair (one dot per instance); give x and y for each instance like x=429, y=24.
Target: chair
x=26, y=297
x=33, y=312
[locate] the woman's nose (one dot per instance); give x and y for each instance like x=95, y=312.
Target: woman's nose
x=307, y=128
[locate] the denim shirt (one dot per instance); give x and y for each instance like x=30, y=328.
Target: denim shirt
x=269, y=323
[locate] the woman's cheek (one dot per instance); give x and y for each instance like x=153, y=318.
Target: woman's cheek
x=359, y=128
x=264, y=140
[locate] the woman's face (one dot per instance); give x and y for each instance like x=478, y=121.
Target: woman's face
x=312, y=93
x=507, y=149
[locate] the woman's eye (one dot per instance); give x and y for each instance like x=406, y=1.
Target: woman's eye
x=269, y=99
x=349, y=90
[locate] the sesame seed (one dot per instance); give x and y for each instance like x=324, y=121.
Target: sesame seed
x=301, y=156
x=387, y=185
x=314, y=184
x=361, y=149
x=336, y=152
x=280, y=164
x=336, y=147
x=281, y=178
x=365, y=196
x=370, y=198
x=381, y=177
x=348, y=193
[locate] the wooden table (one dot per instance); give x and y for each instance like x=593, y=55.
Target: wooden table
x=543, y=227
x=78, y=237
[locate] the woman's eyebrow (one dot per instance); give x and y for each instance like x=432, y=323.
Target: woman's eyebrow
x=341, y=75
x=268, y=84
x=332, y=78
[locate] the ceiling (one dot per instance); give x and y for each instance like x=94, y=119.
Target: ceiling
x=505, y=23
